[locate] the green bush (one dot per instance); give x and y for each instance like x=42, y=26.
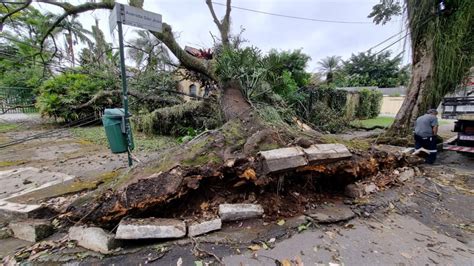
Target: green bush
x=375, y=103
x=60, y=96
x=370, y=102
x=328, y=112
x=184, y=119
x=244, y=65
x=327, y=119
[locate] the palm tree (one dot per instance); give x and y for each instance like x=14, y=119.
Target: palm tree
x=329, y=65
x=148, y=51
x=74, y=33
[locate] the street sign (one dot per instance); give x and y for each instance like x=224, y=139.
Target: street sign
x=113, y=18
x=123, y=14
x=135, y=17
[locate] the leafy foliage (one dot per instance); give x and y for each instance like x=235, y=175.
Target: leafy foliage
x=180, y=120
x=385, y=10
x=328, y=110
x=286, y=70
x=366, y=69
x=245, y=65
x=60, y=96
x=370, y=102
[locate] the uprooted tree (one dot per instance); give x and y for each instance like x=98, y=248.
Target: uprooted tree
x=217, y=162
x=442, y=36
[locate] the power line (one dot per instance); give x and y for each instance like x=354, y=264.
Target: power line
x=388, y=39
x=47, y=133
x=295, y=17
x=401, y=38
x=392, y=44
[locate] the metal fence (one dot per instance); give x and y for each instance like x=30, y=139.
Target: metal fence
x=17, y=100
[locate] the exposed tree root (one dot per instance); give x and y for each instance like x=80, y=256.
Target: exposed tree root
x=174, y=192
x=222, y=166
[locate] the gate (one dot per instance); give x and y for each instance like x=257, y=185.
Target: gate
x=17, y=100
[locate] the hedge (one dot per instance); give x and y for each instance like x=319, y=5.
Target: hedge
x=370, y=102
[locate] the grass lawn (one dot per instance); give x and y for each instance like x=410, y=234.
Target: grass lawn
x=6, y=127
x=96, y=134
x=383, y=121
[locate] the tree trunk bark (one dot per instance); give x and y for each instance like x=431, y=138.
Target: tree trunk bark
x=233, y=103
x=416, y=100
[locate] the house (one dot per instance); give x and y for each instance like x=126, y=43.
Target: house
x=191, y=90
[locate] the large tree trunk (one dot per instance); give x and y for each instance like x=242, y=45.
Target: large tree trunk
x=416, y=101
x=233, y=103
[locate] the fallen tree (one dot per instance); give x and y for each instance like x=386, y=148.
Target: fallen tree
x=218, y=163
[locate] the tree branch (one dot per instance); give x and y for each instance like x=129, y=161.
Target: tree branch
x=136, y=94
x=63, y=5
x=187, y=60
x=72, y=10
x=166, y=36
x=213, y=13
x=13, y=12
x=224, y=25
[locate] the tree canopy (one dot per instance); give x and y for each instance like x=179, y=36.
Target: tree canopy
x=367, y=69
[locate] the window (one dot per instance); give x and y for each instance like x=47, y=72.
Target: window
x=192, y=90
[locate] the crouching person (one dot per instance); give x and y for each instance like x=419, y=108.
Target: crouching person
x=426, y=129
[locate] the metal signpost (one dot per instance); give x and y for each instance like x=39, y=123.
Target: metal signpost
x=128, y=15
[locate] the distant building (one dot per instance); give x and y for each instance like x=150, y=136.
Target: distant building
x=191, y=90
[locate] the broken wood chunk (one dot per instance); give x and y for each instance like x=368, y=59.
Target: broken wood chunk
x=282, y=159
x=146, y=228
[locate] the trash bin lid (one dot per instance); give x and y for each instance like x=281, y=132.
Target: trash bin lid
x=119, y=112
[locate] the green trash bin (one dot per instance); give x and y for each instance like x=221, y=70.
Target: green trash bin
x=113, y=121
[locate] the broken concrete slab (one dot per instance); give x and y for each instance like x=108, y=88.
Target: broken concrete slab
x=16, y=182
x=93, y=238
x=332, y=214
x=16, y=211
x=241, y=211
x=282, y=159
x=370, y=188
x=130, y=228
x=5, y=232
x=201, y=228
x=322, y=152
x=354, y=191
x=31, y=230
x=406, y=174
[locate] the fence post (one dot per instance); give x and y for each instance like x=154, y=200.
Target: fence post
x=310, y=105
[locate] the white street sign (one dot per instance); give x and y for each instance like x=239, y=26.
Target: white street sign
x=113, y=18
x=136, y=17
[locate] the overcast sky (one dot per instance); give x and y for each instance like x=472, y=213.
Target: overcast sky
x=192, y=22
